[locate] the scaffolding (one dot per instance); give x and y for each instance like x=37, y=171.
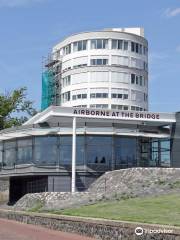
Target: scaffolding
x=51, y=81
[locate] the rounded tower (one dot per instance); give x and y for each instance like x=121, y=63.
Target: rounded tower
x=104, y=69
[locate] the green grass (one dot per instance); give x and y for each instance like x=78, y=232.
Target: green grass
x=164, y=209
x=37, y=206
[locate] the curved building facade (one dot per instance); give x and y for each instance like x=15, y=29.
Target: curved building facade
x=102, y=69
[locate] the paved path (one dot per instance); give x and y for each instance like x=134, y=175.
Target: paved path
x=11, y=230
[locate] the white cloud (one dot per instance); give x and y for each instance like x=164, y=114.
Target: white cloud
x=18, y=3
x=172, y=12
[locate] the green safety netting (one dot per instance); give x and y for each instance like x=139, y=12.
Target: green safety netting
x=48, y=90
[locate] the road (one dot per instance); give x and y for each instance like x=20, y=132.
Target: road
x=11, y=230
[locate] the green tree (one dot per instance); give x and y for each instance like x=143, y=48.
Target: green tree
x=15, y=108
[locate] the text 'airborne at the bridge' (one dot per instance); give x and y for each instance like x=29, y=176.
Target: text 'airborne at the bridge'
x=116, y=114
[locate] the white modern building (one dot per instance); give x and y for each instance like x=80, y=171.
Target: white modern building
x=102, y=69
x=95, y=89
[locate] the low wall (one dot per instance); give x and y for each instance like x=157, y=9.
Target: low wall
x=4, y=196
x=95, y=228
x=4, y=190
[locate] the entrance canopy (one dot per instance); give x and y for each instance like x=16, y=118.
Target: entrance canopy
x=58, y=120
x=54, y=114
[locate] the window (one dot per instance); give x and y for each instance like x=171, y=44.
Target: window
x=79, y=96
x=120, y=96
x=140, y=49
x=125, y=45
x=119, y=107
x=114, y=44
x=9, y=153
x=45, y=150
x=133, y=78
x=99, y=149
x=24, y=155
x=125, y=96
x=67, y=49
x=134, y=108
x=137, y=80
x=145, y=50
x=99, y=95
x=99, y=106
x=119, y=44
x=137, y=48
x=66, y=81
x=66, y=96
x=132, y=46
x=99, y=61
x=140, y=79
x=125, y=152
x=80, y=45
x=99, y=44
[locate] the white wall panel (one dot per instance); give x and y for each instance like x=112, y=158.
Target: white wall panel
x=99, y=76
x=120, y=77
x=120, y=60
x=79, y=78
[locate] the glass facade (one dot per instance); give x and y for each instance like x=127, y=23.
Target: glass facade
x=125, y=152
x=155, y=153
x=113, y=152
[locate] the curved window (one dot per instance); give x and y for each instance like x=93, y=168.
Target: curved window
x=99, y=44
x=99, y=149
x=99, y=93
x=99, y=106
x=125, y=152
x=24, y=154
x=66, y=81
x=9, y=153
x=79, y=94
x=80, y=45
x=45, y=150
x=119, y=107
x=67, y=49
x=119, y=44
x=66, y=150
x=99, y=61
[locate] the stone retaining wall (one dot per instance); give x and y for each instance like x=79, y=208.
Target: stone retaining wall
x=4, y=191
x=4, y=185
x=96, y=228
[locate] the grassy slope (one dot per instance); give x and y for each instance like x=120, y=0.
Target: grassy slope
x=164, y=209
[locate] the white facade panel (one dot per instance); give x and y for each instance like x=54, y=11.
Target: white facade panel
x=79, y=78
x=99, y=76
x=120, y=77
x=120, y=60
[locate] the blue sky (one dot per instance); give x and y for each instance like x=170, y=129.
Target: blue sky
x=29, y=29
